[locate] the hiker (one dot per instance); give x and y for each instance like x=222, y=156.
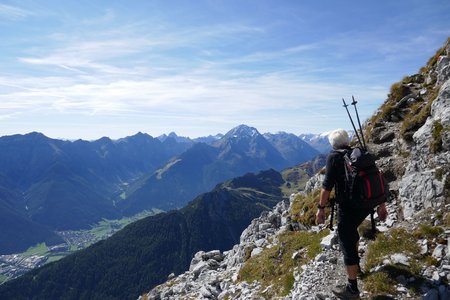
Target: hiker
x=349, y=218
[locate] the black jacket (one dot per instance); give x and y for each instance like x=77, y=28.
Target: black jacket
x=335, y=173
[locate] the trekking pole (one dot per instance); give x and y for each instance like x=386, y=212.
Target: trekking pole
x=359, y=123
x=372, y=221
x=333, y=205
x=353, y=124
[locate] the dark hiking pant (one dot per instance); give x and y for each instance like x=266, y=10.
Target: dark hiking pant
x=348, y=221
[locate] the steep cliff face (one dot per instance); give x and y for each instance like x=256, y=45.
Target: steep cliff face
x=426, y=179
x=411, y=135
x=280, y=257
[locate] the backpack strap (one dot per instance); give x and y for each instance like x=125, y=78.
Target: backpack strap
x=341, y=151
x=348, y=170
x=334, y=201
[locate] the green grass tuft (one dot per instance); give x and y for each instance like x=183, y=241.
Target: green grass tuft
x=433, y=60
x=397, y=240
x=398, y=91
x=386, y=110
x=379, y=283
x=436, y=142
x=427, y=231
x=304, y=208
x=415, y=119
x=275, y=266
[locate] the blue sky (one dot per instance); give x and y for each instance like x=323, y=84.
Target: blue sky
x=87, y=69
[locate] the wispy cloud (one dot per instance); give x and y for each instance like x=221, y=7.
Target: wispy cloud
x=13, y=13
x=155, y=70
x=215, y=87
x=190, y=94
x=89, y=54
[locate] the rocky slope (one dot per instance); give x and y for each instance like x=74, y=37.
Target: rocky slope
x=410, y=257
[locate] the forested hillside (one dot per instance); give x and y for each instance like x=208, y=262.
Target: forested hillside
x=144, y=253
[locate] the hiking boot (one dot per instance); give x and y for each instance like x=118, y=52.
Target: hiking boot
x=345, y=292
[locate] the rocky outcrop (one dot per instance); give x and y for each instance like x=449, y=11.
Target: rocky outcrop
x=443, y=66
x=314, y=183
x=428, y=170
x=213, y=275
x=413, y=151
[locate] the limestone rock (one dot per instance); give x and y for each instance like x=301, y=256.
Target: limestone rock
x=328, y=241
x=399, y=258
x=387, y=137
x=443, y=67
x=439, y=252
x=314, y=183
x=421, y=187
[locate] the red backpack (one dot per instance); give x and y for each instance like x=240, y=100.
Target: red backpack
x=365, y=185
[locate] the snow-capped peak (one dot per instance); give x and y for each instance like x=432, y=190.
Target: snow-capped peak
x=243, y=130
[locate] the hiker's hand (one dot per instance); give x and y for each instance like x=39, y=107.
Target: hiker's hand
x=382, y=212
x=320, y=216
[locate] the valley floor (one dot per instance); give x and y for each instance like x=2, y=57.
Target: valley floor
x=15, y=265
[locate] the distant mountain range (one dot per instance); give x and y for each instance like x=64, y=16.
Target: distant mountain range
x=243, y=149
x=48, y=184
x=144, y=253
x=320, y=141
x=317, y=141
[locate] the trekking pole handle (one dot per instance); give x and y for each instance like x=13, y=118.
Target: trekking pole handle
x=345, y=104
x=353, y=124
x=333, y=205
x=359, y=123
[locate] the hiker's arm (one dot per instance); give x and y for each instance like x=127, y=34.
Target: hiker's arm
x=323, y=201
x=324, y=196
x=327, y=186
x=382, y=212
x=330, y=174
